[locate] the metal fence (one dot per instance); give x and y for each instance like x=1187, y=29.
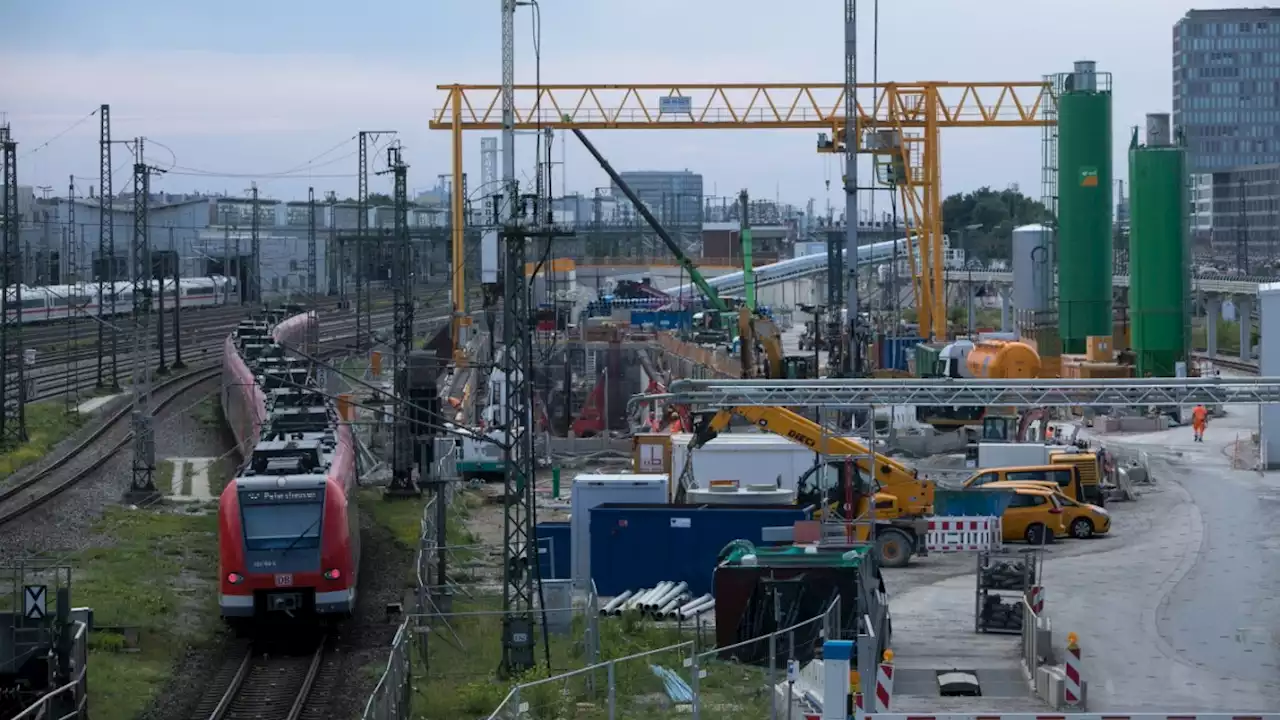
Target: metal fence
x=734, y=681
x=72, y=699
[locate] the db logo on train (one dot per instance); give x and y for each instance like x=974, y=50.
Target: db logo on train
x=285, y=580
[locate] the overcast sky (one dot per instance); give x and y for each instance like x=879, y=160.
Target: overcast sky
x=254, y=88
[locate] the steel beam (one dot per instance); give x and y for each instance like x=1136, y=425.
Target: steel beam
x=1163, y=392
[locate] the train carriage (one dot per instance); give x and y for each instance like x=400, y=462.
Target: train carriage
x=49, y=303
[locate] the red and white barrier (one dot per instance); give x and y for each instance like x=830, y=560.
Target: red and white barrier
x=859, y=709
x=1035, y=598
x=1072, y=682
x=884, y=683
x=963, y=534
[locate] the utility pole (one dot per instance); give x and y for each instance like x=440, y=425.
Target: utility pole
x=364, y=298
x=106, y=251
x=335, y=253
x=851, y=362
x=177, y=305
x=311, y=243
x=402, y=484
x=142, y=485
x=158, y=274
x=255, y=270
x=72, y=399
x=13, y=390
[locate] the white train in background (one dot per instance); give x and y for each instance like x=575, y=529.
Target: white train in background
x=44, y=303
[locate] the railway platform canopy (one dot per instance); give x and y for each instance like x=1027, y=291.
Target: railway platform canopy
x=860, y=392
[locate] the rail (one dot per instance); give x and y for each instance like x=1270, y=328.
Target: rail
x=270, y=686
x=43, y=485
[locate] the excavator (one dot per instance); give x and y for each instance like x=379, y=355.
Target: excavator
x=753, y=327
x=861, y=485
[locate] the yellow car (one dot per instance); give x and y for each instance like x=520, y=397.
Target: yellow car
x=1084, y=520
x=1035, y=514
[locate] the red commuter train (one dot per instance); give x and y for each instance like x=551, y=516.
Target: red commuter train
x=288, y=525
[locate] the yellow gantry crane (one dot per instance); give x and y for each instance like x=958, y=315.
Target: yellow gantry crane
x=913, y=113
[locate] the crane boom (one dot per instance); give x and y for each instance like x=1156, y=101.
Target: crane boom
x=685, y=262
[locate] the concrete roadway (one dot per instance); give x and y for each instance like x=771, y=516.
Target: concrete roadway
x=1175, y=609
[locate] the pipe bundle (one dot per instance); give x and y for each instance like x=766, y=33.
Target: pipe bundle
x=667, y=600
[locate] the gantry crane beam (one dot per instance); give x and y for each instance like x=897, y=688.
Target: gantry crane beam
x=1163, y=392
x=923, y=107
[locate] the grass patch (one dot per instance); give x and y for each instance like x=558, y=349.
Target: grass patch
x=209, y=411
x=48, y=424
x=461, y=677
x=159, y=577
x=163, y=477
x=221, y=470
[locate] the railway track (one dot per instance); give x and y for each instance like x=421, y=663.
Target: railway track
x=1226, y=362
x=266, y=682
x=25, y=494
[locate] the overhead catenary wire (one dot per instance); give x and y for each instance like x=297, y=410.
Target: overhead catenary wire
x=56, y=137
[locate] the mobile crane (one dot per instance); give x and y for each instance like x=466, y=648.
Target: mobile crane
x=752, y=327
x=903, y=501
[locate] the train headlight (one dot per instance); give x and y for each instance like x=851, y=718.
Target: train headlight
x=235, y=578
x=333, y=574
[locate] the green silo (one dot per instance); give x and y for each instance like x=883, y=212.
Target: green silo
x=1159, y=270
x=1084, y=205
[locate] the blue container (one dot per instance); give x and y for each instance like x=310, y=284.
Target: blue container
x=553, y=550
x=895, y=351
x=639, y=546
x=971, y=502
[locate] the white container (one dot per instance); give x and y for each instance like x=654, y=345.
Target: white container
x=592, y=490
x=752, y=495
x=997, y=454
x=744, y=458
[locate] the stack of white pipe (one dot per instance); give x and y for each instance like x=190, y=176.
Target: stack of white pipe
x=615, y=604
x=694, y=608
x=681, y=610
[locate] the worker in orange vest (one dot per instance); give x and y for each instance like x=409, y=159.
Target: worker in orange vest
x=1199, y=418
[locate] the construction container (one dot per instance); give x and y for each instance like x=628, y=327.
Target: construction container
x=590, y=491
x=894, y=353
x=1084, y=247
x=926, y=360
x=754, y=586
x=1032, y=267
x=554, y=554
x=636, y=546
x=1099, y=349
x=1159, y=270
x=743, y=459
x=1003, y=359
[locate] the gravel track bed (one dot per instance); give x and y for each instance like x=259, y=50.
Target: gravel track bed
x=63, y=524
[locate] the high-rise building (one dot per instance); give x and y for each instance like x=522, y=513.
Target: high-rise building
x=674, y=197
x=1226, y=87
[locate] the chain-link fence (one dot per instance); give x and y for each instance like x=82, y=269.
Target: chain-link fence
x=729, y=682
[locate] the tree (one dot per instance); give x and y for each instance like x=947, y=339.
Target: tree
x=982, y=221
x=375, y=199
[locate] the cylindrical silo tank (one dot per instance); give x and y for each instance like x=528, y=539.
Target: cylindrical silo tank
x=1159, y=270
x=1032, y=267
x=1004, y=360
x=1084, y=206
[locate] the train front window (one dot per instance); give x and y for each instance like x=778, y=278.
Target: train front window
x=282, y=526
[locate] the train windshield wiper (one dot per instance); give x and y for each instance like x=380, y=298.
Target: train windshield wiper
x=303, y=534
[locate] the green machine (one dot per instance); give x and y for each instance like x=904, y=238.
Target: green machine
x=1084, y=249
x=1159, y=269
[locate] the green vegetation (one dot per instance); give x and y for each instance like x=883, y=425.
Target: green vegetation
x=996, y=213
x=163, y=477
x=159, y=577
x=1228, y=336
x=48, y=424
